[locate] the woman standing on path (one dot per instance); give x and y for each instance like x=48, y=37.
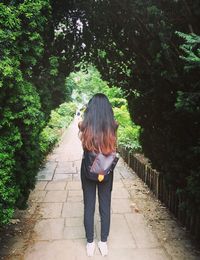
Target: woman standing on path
x=98, y=134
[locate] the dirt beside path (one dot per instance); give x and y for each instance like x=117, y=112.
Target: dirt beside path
x=173, y=237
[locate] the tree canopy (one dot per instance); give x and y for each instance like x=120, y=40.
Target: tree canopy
x=136, y=45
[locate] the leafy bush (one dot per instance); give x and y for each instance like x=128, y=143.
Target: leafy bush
x=48, y=139
x=59, y=118
x=90, y=81
x=128, y=132
x=144, y=58
x=29, y=121
x=21, y=118
x=187, y=104
x=117, y=102
x=32, y=83
x=9, y=191
x=56, y=120
x=67, y=109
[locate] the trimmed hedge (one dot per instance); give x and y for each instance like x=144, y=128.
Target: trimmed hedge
x=60, y=118
x=21, y=118
x=31, y=85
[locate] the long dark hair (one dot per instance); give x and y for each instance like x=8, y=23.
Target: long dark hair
x=98, y=129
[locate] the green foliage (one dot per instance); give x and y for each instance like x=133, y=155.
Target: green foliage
x=86, y=83
x=117, y=102
x=20, y=113
x=54, y=65
x=48, y=138
x=128, y=132
x=60, y=118
x=191, y=50
x=55, y=120
x=9, y=191
x=32, y=82
x=22, y=46
x=67, y=109
x=134, y=46
x=29, y=122
x=188, y=102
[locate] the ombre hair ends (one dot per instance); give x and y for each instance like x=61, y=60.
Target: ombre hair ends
x=98, y=128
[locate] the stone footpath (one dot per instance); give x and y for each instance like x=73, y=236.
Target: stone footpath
x=58, y=233
x=53, y=223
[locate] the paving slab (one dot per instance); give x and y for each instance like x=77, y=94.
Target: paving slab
x=52, y=250
x=117, y=184
x=135, y=254
x=120, y=193
x=56, y=185
x=120, y=234
x=51, y=210
x=143, y=235
x=72, y=209
x=76, y=177
x=47, y=172
x=74, y=232
x=74, y=185
x=56, y=196
x=117, y=174
x=45, y=175
x=75, y=195
x=65, y=168
x=73, y=222
x=62, y=176
x=121, y=205
x=49, y=229
x=40, y=185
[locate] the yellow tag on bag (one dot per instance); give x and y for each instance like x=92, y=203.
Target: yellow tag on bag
x=100, y=177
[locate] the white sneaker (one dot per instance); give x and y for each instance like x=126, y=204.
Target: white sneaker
x=103, y=247
x=90, y=247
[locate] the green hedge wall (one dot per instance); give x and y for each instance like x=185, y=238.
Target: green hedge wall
x=21, y=117
x=31, y=84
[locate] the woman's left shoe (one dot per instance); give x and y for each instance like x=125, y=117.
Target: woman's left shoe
x=103, y=247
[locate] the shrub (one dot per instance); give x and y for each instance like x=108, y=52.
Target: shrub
x=9, y=191
x=60, y=118
x=128, y=132
x=48, y=139
x=67, y=109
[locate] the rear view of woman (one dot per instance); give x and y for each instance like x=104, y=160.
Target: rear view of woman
x=98, y=134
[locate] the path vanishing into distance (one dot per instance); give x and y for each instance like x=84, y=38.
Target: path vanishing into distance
x=52, y=227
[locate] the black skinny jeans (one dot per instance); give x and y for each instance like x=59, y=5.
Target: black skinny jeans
x=89, y=196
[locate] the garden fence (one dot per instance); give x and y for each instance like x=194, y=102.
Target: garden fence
x=174, y=201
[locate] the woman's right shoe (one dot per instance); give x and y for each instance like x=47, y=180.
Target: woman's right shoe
x=103, y=247
x=90, y=247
